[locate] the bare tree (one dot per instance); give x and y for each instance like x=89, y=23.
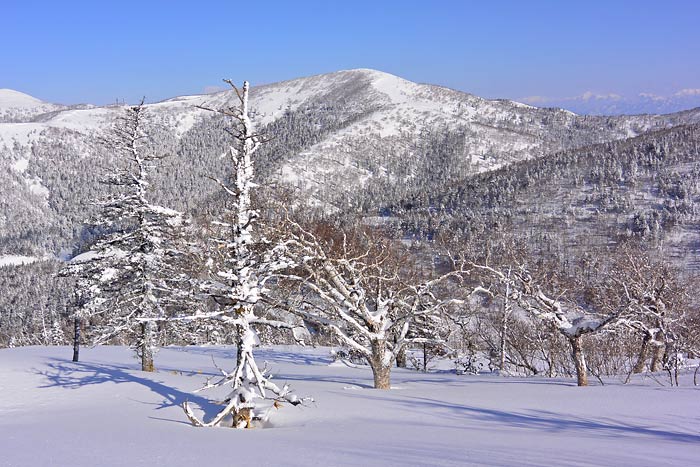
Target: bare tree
x=662, y=309
x=570, y=319
x=351, y=284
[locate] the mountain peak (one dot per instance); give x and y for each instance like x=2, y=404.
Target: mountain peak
x=373, y=75
x=367, y=71
x=9, y=98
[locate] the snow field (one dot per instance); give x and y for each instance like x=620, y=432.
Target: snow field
x=104, y=411
x=15, y=260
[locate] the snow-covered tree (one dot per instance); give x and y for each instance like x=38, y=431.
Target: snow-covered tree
x=239, y=270
x=570, y=319
x=661, y=309
x=430, y=333
x=130, y=278
x=87, y=299
x=351, y=284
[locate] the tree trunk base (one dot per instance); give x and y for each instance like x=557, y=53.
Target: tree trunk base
x=147, y=347
x=579, y=361
x=76, y=339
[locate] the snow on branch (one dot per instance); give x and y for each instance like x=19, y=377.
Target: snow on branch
x=238, y=273
x=353, y=284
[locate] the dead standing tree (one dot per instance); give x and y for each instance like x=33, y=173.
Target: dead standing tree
x=238, y=275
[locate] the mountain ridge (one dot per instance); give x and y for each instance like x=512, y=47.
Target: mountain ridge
x=588, y=103
x=338, y=137
x=16, y=106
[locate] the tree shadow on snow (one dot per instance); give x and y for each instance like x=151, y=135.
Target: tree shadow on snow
x=222, y=352
x=261, y=353
x=75, y=375
x=347, y=381
x=275, y=355
x=541, y=420
x=450, y=378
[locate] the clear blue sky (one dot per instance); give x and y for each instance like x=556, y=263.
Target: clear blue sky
x=100, y=50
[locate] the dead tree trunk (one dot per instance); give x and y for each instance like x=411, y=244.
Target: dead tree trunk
x=147, y=346
x=579, y=361
x=76, y=339
x=239, y=346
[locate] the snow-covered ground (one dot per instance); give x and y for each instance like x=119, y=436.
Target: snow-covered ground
x=15, y=260
x=104, y=411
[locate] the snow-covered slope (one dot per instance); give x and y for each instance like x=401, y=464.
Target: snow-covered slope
x=16, y=106
x=392, y=118
x=388, y=110
x=103, y=411
x=14, y=99
x=334, y=137
x=392, y=106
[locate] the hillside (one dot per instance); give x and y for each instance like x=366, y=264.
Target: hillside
x=357, y=139
x=573, y=201
x=16, y=106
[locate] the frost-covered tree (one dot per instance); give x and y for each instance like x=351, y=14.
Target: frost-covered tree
x=239, y=271
x=430, y=333
x=130, y=279
x=88, y=300
x=569, y=318
x=352, y=285
x=662, y=309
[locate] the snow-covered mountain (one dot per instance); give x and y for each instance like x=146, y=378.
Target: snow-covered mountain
x=16, y=106
x=355, y=138
x=392, y=118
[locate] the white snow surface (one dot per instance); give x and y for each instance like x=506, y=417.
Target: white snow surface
x=18, y=106
x=10, y=98
x=104, y=411
x=15, y=260
x=20, y=133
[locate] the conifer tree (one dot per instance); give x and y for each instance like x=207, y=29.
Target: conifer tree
x=130, y=277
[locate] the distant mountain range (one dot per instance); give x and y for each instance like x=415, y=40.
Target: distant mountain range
x=593, y=103
x=357, y=140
